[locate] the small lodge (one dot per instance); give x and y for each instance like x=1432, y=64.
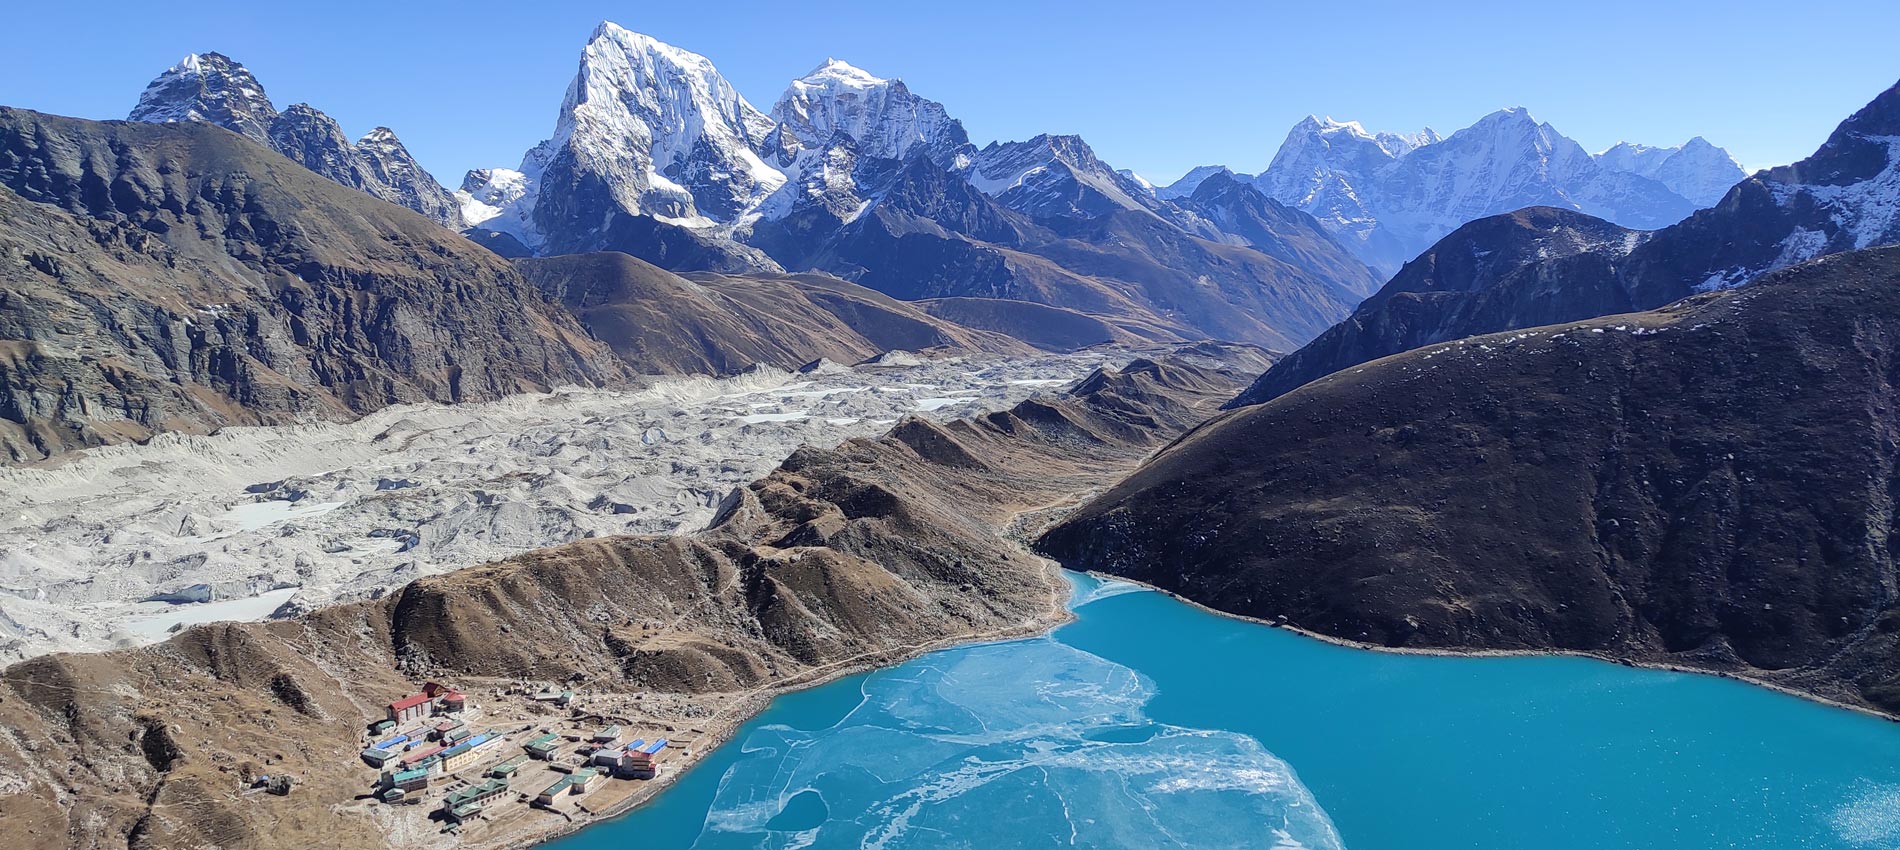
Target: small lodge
x=457, y=757
x=409, y=780
x=466, y=803
x=608, y=734
x=454, y=702
x=391, y=744
x=638, y=760
x=646, y=754
x=457, y=735
x=410, y=708
x=576, y=783
x=418, y=757
x=466, y=753
x=377, y=757
x=508, y=768
x=543, y=747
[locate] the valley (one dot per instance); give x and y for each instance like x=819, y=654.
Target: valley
x=118, y=543
x=716, y=475
x=838, y=559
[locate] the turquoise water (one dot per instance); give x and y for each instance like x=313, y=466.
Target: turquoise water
x=1148, y=723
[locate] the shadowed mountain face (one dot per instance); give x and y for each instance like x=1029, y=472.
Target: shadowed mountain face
x=181, y=277
x=663, y=323
x=862, y=554
x=1709, y=484
x=1540, y=266
x=929, y=233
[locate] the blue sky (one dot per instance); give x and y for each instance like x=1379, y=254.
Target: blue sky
x=1157, y=87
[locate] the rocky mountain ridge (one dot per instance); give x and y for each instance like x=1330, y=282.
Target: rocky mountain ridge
x=1389, y=196
x=179, y=277
x=857, y=176
x=214, y=89
x=1704, y=485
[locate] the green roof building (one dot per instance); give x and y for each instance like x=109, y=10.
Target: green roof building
x=508, y=768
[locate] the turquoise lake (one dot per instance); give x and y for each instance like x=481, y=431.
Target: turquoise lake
x=1149, y=723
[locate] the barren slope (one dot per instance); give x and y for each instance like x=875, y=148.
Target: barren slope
x=1710, y=484
x=867, y=552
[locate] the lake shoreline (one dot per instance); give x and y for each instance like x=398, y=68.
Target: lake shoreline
x=1509, y=653
x=720, y=731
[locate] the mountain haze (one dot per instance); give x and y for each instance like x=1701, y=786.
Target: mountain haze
x=1389, y=196
x=1537, y=267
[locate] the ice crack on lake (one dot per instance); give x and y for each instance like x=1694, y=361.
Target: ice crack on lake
x=1024, y=744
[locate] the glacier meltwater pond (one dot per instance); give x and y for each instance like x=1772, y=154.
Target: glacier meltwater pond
x=1149, y=723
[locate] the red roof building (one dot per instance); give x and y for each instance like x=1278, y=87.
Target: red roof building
x=421, y=754
x=409, y=708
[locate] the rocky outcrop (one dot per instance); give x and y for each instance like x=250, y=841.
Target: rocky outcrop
x=181, y=278
x=1707, y=485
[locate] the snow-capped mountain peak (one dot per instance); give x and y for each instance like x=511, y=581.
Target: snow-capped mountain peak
x=1137, y=179
x=883, y=117
x=670, y=136
x=650, y=139
x=1192, y=180
x=1055, y=177
x=208, y=87
x=1331, y=131
x=835, y=72
x=646, y=128
x=486, y=192
x=1844, y=197
x=215, y=89
x=1390, y=195
x=1696, y=169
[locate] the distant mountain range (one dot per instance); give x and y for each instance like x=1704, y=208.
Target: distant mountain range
x=1389, y=196
x=1539, y=266
x=195, y=278
x=655, y=154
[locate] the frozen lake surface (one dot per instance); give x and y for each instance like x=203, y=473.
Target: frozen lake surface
x=1151, y=723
